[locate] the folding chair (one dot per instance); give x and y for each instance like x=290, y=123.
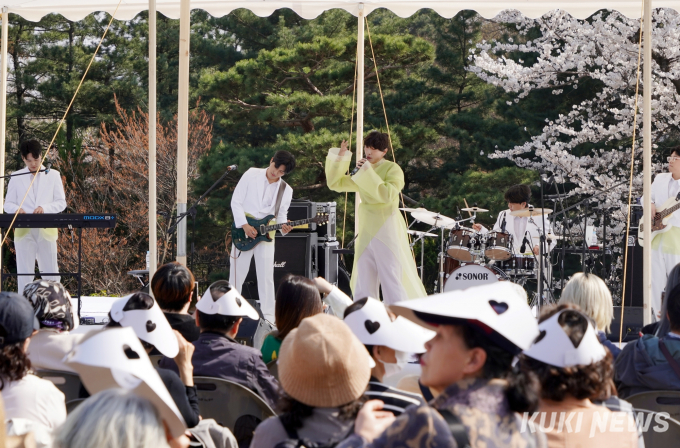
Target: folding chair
x=155, y=359
x=67, y=382
x=667, y=401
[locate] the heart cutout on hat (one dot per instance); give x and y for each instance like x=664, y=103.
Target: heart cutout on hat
x=371, y=326
x=131, y=354
x=150, y=326
x=498, y=307
x=238, y=302
x=540, y=337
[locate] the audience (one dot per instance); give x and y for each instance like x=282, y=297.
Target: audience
x=296, y=298
x=52, y=307
x=650, y=362
x=333, y=297
x=217, y=354
x=140, y=312
x=591, y=294
x=113, y=418
x=661, y=328
x=24, y=394
x=173, y=287
x=390, y=344
x=479, y=332
x=574, y=368
x=324, y=370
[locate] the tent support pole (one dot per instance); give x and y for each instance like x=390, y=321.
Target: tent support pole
x=183, y=127
x=360, y=107
x=647, y=160
x=153, y=237
x=3, y=109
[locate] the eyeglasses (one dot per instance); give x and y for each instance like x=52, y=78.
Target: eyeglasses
x=672, y=159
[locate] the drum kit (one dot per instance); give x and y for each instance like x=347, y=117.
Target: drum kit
x=469, y=257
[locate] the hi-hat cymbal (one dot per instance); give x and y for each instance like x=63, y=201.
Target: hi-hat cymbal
x=406, y=209
x=474, y=209
x=419, y=234
x=433, y=218
x=528, y=212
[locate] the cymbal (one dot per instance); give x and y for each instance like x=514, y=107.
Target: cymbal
x=474, y=209
x=527, y=212
x=418, y=233
x=433, y=218
x=549, y=236
x=406, y=209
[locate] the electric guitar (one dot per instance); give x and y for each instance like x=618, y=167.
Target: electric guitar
x=661, y=218
x=265, y=230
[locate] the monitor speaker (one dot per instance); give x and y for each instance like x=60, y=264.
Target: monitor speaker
x=634, y=290
x=295, y=253
x=252, y=332
x=632, y=323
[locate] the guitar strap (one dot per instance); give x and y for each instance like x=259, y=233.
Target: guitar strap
x=279, y=197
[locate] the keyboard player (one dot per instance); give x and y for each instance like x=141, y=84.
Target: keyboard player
x=45, y=195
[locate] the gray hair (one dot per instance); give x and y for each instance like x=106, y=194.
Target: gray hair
x=113, y=418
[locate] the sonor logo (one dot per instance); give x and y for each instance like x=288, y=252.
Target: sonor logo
x=280, y=265
x=472, y=276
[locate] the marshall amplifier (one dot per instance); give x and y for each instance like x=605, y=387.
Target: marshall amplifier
x=295, y=253
x=308, y=209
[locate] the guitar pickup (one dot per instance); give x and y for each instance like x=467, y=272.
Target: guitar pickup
x=261, y=229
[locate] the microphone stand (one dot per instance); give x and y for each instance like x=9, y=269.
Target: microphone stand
x=192, y=212
x=46, y=170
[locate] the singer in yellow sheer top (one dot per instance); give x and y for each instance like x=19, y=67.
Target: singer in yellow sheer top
x=382, y=256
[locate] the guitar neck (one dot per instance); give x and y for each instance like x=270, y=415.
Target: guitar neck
x=670, y=210
x=299, y=222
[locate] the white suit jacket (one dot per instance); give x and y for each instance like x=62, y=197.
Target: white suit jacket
x=660, y=188
x=532, y=231
x=50, y=195
x=248, y=198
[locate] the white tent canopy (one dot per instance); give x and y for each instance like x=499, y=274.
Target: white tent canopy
x=34, y=10
x=308, y=9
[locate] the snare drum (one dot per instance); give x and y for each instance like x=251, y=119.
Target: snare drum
x=461, y=244
x=498, y=246
x=469, y=275
x=519, y=265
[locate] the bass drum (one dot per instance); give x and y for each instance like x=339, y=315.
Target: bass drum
x=466, y=276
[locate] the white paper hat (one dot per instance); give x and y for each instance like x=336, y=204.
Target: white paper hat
x=553, y=346
x=150, y=325
x=113, y=358
x=229, y=304
x=497, y=309
x=372, y=326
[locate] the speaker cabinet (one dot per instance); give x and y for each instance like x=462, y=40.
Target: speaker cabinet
x=634, y=290
x=295, y=253
x=632, y=323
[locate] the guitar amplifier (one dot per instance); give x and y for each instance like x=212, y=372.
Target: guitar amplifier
x=295, y=253
x=307, y=209
x=328, y=261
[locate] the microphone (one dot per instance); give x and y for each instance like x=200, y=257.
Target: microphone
x=524, y=244
x=458, y=216
x=354, y=171
x=48, y=165
x=232, y=168
x=503, y=223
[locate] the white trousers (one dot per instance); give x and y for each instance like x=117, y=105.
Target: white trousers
x=264, y=266
x=661, y=266
x=34, y=247
x=377, y=266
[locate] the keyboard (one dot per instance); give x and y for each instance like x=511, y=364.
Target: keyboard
x=58, y=220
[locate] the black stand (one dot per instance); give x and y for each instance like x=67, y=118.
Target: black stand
x=78, y=275
x=192, y=212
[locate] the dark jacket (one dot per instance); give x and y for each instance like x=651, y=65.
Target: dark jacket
x=482, y=408
x=184, y=397
x=219, y=356
x=609, y=344
x=641, y=366
x=185, y=324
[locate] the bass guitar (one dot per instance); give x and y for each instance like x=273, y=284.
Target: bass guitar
x=265, y=230
x=661, y=218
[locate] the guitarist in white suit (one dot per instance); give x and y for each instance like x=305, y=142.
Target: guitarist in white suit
x=665, y=245
x=46, y=195
x=256, y=194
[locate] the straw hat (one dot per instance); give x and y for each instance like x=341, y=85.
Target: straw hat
x=322, y=363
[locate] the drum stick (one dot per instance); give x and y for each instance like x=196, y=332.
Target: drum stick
x=467, y=206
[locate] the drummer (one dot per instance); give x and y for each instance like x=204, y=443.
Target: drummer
x=523, y=232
